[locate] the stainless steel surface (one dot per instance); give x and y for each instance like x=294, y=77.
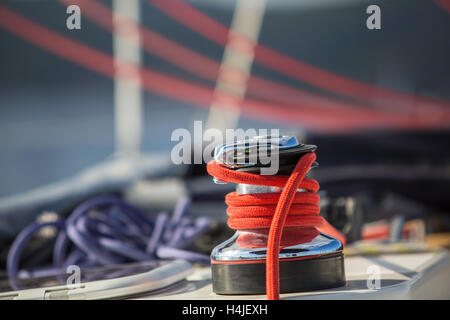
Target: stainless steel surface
x=243, y=188
x=245, y=152
x=158, y=278
x=230, y=250
x=236, y=155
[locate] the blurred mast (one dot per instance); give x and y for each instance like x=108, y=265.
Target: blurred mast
x=247, y=21
x=127, y=95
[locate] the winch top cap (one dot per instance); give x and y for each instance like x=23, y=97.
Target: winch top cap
x=249, y=152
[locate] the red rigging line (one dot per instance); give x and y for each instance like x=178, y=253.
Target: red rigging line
x=208, y=68
x=443, y=4
x=151, y=41
x=187, y=91
x=154, y=81
x=203, y=66
x=265, y=210
x=296, y=69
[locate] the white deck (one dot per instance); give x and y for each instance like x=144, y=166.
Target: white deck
x=423, y=275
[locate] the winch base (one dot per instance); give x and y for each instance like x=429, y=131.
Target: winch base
x=296, y=275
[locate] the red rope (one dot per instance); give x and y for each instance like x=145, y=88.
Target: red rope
x=219, y=33
x=208, y=68
x=274, y=211
x=308, y=116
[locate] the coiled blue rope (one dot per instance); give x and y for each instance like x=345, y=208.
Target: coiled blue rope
x=107, y=230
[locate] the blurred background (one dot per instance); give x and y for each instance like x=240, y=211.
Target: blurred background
x=58, y=116
x=376, y=102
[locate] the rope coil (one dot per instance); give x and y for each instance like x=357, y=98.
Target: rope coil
x=274, y=211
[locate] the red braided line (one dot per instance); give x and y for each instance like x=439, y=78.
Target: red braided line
x=274, y=211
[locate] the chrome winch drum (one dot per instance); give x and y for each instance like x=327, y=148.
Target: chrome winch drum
x=308, y=259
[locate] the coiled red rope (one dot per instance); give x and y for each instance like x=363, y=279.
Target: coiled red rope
x=274, y=211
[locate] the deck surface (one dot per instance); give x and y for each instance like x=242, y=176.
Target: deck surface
x=421, y=275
